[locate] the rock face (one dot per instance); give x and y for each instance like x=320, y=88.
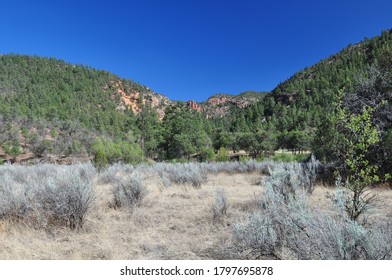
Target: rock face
x=215, y=106
x=214, y=101
x=134, y=99
x=242, y=100
x=220, y=104
x=194, y=105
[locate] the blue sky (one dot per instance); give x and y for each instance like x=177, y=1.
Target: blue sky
x=189, y=49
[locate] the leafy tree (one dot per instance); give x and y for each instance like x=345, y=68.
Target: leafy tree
x=357, y=134
x=295, y=140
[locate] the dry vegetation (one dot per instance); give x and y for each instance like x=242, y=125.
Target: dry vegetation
x=172, y=222
x=193, y=216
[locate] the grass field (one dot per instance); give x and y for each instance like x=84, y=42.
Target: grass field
x=172, y=221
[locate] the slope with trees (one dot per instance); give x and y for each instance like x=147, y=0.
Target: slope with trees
x=48, y=107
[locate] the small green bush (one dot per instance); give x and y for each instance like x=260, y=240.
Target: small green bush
x=222, y=155
x=100, y=159
x=290, y=157
x=207, y=154
x=283, y=157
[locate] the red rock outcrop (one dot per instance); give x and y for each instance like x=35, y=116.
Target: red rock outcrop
x=131, y=99
x=194, y=105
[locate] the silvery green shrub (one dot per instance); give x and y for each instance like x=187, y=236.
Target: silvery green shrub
x=182, y=173
x=219, y=208
x=128, y=191
x=47, y=194
x=285, y=226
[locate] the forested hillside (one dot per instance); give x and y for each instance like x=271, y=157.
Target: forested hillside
x=50, y=89
x=50, y=108
x=296, y=107
x=301, y=113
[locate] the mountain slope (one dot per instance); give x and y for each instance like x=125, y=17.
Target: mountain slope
x=297, y=110
x=320, y=82
x=52, y=89
x=51, y=107
x=301, y=101
x=55, y=111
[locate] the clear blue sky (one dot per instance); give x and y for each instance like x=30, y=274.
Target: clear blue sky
x=191, y=49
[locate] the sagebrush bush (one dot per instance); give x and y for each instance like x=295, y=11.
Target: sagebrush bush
x=193, y=173
x=69, y=198
x=128, y=192
x=14, y=199
x=286, y=227
x=286, y=178
x=47, y=194
x=232, y=167
x=182, y=173
x=219, y=208
x=111, y=173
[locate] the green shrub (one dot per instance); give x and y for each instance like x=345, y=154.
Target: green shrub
x=244, y=159
x=290, y=157
x=222, y=155
x=100, y=159
x=207, y=154
x=283, y=157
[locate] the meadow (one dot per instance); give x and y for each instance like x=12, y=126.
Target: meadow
x=228, y=210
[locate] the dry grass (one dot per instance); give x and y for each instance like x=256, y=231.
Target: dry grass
x=171, y=223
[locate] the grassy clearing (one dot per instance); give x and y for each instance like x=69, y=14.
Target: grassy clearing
x=172, y=221
x=171, y=216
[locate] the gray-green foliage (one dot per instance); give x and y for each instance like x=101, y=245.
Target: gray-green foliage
x=232, y=167
x=182, y=173
x=114, y=171
x=285, y=226
x=194, y=174
x=286, y=178
x=219, y=208
x=128, y=191
x=45, y=195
